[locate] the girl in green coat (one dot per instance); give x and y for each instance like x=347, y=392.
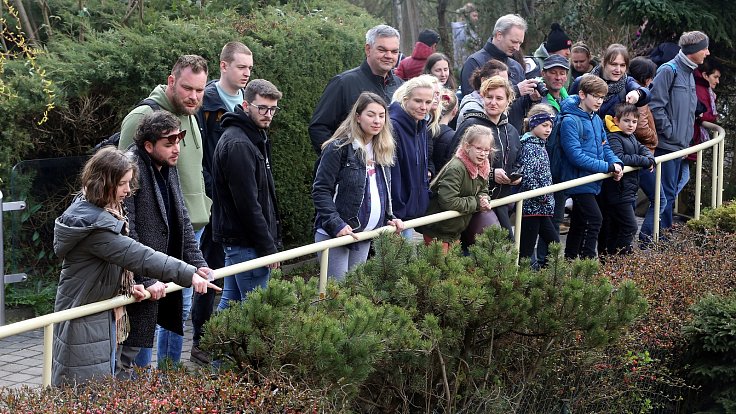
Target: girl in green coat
x=462, y=186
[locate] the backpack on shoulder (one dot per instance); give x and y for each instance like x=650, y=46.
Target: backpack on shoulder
x=114, y=139
x=554, y=147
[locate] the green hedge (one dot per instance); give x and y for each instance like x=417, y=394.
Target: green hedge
x=98, y=79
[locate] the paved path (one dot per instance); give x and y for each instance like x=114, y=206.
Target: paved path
x=21, y=358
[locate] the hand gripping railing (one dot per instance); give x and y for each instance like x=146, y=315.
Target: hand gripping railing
x=47, y=321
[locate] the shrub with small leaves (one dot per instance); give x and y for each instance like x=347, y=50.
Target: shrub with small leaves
x=170, y=392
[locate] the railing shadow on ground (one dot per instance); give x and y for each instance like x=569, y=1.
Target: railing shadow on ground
x=717, y=143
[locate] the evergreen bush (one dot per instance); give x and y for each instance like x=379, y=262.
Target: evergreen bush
x=712, y=352
x=101, y=69
x=413, y=328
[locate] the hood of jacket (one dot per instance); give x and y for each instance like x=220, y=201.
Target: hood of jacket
x=421, y=51
x=211, y=102
x=611, y=125
x=405, y=121
x=533, y=139
x=240, y=119
x=541, y=52
x=79, y=220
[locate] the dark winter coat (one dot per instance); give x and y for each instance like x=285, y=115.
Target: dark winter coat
x=442, y=152
x=209, y=119
x=339, y=97
x=93, y=251
x=409, y=179
x=506, y=147
x=609, y=104
x=149, y=224
x=584, y=152
x=537, y=174
x=633, y=154
x=245, y=212
x=339, y=187
x=479, y=58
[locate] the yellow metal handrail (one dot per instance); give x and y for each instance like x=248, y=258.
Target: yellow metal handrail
x=47, y=321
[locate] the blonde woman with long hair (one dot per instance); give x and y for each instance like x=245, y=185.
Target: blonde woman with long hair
x=352, y=186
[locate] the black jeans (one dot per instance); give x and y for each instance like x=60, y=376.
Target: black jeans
x=618, y=230
x=533, y=227
x=557, y=218
x=585, y=223
x=203, y=304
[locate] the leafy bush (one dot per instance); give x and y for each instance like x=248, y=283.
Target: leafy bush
x=414, y=328
x=673, y=276
x=712, y=351
x=101, y=69
x=719, y=219
x=176, y=391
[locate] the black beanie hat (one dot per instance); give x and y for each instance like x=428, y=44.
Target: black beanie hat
x=429, y=37
x=557, y=39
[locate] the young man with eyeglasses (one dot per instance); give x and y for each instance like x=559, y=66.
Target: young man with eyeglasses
x=182, y=96
x=158, y=219
x=220, y=96
x=245, y=216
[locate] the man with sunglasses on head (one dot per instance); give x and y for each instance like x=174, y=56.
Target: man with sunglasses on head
x=182, y=96
x=245, y=216
x=158, y=219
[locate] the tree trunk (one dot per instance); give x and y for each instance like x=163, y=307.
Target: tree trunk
x=25, y=22
x=443, y=29
x=45, y=11
x=411, y=23
x=398, y=16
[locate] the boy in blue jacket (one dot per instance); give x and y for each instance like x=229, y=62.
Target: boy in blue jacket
x=584, y=152
x=617, y=198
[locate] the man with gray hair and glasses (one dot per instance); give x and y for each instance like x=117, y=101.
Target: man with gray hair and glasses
x=375, y=75
x=508, y=35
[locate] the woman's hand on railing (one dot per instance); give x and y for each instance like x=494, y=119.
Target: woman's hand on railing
x=200, y=284
x=157, y=290
x=396, y=223
x=345, y=231
x=485, y=203
x=139, y=292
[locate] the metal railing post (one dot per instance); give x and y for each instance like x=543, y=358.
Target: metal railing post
x=517, y=228
x=2, y=265
x=698, y=181
x=657, y=192
x=323, y=262
x=714, y=179
x=48, y=344
x=721, y=168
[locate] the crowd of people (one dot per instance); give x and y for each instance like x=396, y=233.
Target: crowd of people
x=190, y=187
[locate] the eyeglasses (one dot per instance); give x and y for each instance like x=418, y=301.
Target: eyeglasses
x=263, y=109
x=598, y=97
x=174, y=138
x=481, y=150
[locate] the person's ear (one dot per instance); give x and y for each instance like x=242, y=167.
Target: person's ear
x=148, y=145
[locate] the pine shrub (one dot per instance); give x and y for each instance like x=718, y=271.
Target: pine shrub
x=414, y=328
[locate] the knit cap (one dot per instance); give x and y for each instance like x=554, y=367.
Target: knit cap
x=429, y=37
x=557, y=39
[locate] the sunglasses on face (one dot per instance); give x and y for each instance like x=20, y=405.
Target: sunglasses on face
x=174, y=138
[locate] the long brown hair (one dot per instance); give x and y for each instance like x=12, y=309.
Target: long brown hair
x=103, y=172
x=349, y=131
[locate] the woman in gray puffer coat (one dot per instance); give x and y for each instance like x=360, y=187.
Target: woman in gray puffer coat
x=98, y=263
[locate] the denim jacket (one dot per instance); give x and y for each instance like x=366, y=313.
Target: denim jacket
x=339, y=187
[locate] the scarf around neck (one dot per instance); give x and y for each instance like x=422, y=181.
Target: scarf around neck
x=614, y=88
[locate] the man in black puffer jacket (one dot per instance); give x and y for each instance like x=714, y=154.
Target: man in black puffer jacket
x=245, y=217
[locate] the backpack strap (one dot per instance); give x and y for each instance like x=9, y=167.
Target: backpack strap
x=674, y=72
x=150, y=102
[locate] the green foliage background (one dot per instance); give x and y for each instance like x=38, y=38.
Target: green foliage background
x=100, y=68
